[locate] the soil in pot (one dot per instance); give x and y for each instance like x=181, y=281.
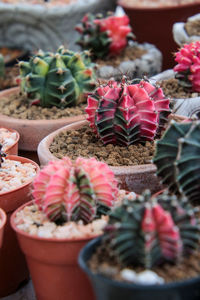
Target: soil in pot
x=17, y=106
x=83, y=142
x=8, y=140
x=9, y=80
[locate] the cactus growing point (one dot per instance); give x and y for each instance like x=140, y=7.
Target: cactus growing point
x=188, y=67
x=57, y=79
x=125, y=113
x=104, y=36
x=152, y=230
x=67, y=191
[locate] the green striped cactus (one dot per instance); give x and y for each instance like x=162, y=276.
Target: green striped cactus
x=2, y=66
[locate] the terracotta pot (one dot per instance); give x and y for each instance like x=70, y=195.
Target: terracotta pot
x=3, y=219
x=154, y=25
x=188, y=107
x=13, y=149
x=53, y=265
x=32, y=131
x=132, y=178
x=13, y=270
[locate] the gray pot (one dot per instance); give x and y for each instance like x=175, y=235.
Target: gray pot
x=189, y=107
x=45, y=27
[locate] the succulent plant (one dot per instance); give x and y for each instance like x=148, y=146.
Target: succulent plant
x=82, y=190
x=152, y=230
x=104, y=36
x=2, y=154
x=177, y=159
x=188, y=67
x=2, y=66
x=57, y=79
x=125, y=113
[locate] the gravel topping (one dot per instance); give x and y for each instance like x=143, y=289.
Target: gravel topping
x=7, y=138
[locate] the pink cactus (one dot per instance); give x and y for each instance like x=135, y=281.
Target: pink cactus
x=71, y=191
x=126, y=113
x=188, y=67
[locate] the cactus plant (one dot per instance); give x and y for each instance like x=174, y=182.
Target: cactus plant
x=177, y=159
x=57, y=79
x=188, y=67
x=125, y=113
x=2, y=66
x=104, y=36
x=2, y=154
x=152, y=230
x=81, y=190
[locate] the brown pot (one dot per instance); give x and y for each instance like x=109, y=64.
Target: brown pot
x=53, y=265
x=32, y=131
x=3, y=219
x=13, y=268
x=132, y=178
x=13, y=149
x=154, y=25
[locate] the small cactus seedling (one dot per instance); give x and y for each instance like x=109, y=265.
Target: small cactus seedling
x=2, y=154
x=67, y=191
x=188, y=67
x=57, y=79
x=104, y=36
x=177, y=159
x=125, y=113
x=152, y=230
x=2, y=66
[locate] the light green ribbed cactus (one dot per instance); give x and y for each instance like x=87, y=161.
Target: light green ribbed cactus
x=57, y=79
x=2, y=66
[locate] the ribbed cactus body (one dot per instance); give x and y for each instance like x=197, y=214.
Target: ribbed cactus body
x=177, y=159
x=188, y=67
x=2, y=66
x=57, y=79
x=127, y=113
x=104, y=36
x=149, y=231
x=82, y=190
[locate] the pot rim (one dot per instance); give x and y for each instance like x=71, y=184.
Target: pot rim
x=14, y=131
x=85, y=268
x=35, y=237
x=156, y=9
x=3, y=218
x=25, y=160
x=23, y=122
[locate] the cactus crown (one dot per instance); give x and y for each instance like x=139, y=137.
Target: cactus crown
x=57, y=79
x=104, y=36
x=151, y=230
x=188, y=67
x=177, y=158
x=82, y=190
x=2, y=66
x=2, y=154
x=125, y=113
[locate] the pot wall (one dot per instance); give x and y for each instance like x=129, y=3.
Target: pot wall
x=3, y=219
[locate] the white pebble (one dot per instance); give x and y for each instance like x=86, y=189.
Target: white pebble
x=149, y=277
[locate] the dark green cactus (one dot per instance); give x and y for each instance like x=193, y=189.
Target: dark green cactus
x=2, y=66
x=151, y=230
x=2, y=154
x=177, y=159
x=57, y=79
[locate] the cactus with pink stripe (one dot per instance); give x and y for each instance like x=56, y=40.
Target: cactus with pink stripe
x=82, y=190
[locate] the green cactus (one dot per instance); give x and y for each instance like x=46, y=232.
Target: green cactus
x=151, y=230
x=57, y=79
x=177, y=159
x=2, y=66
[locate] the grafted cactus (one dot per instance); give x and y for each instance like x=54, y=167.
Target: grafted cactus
x=67, y=191
x=151, y=230
x=177, y=158
x=2, y=66
x=188, y=67
x=104, y=36
x=57, y=79
x=125, y=113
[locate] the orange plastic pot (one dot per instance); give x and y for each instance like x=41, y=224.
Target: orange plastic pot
x=13, y=268
x=53, y=265
x=2, y=225
x=154, y=25
x=13, y=149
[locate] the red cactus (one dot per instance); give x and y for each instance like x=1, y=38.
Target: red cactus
x=126, y=113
